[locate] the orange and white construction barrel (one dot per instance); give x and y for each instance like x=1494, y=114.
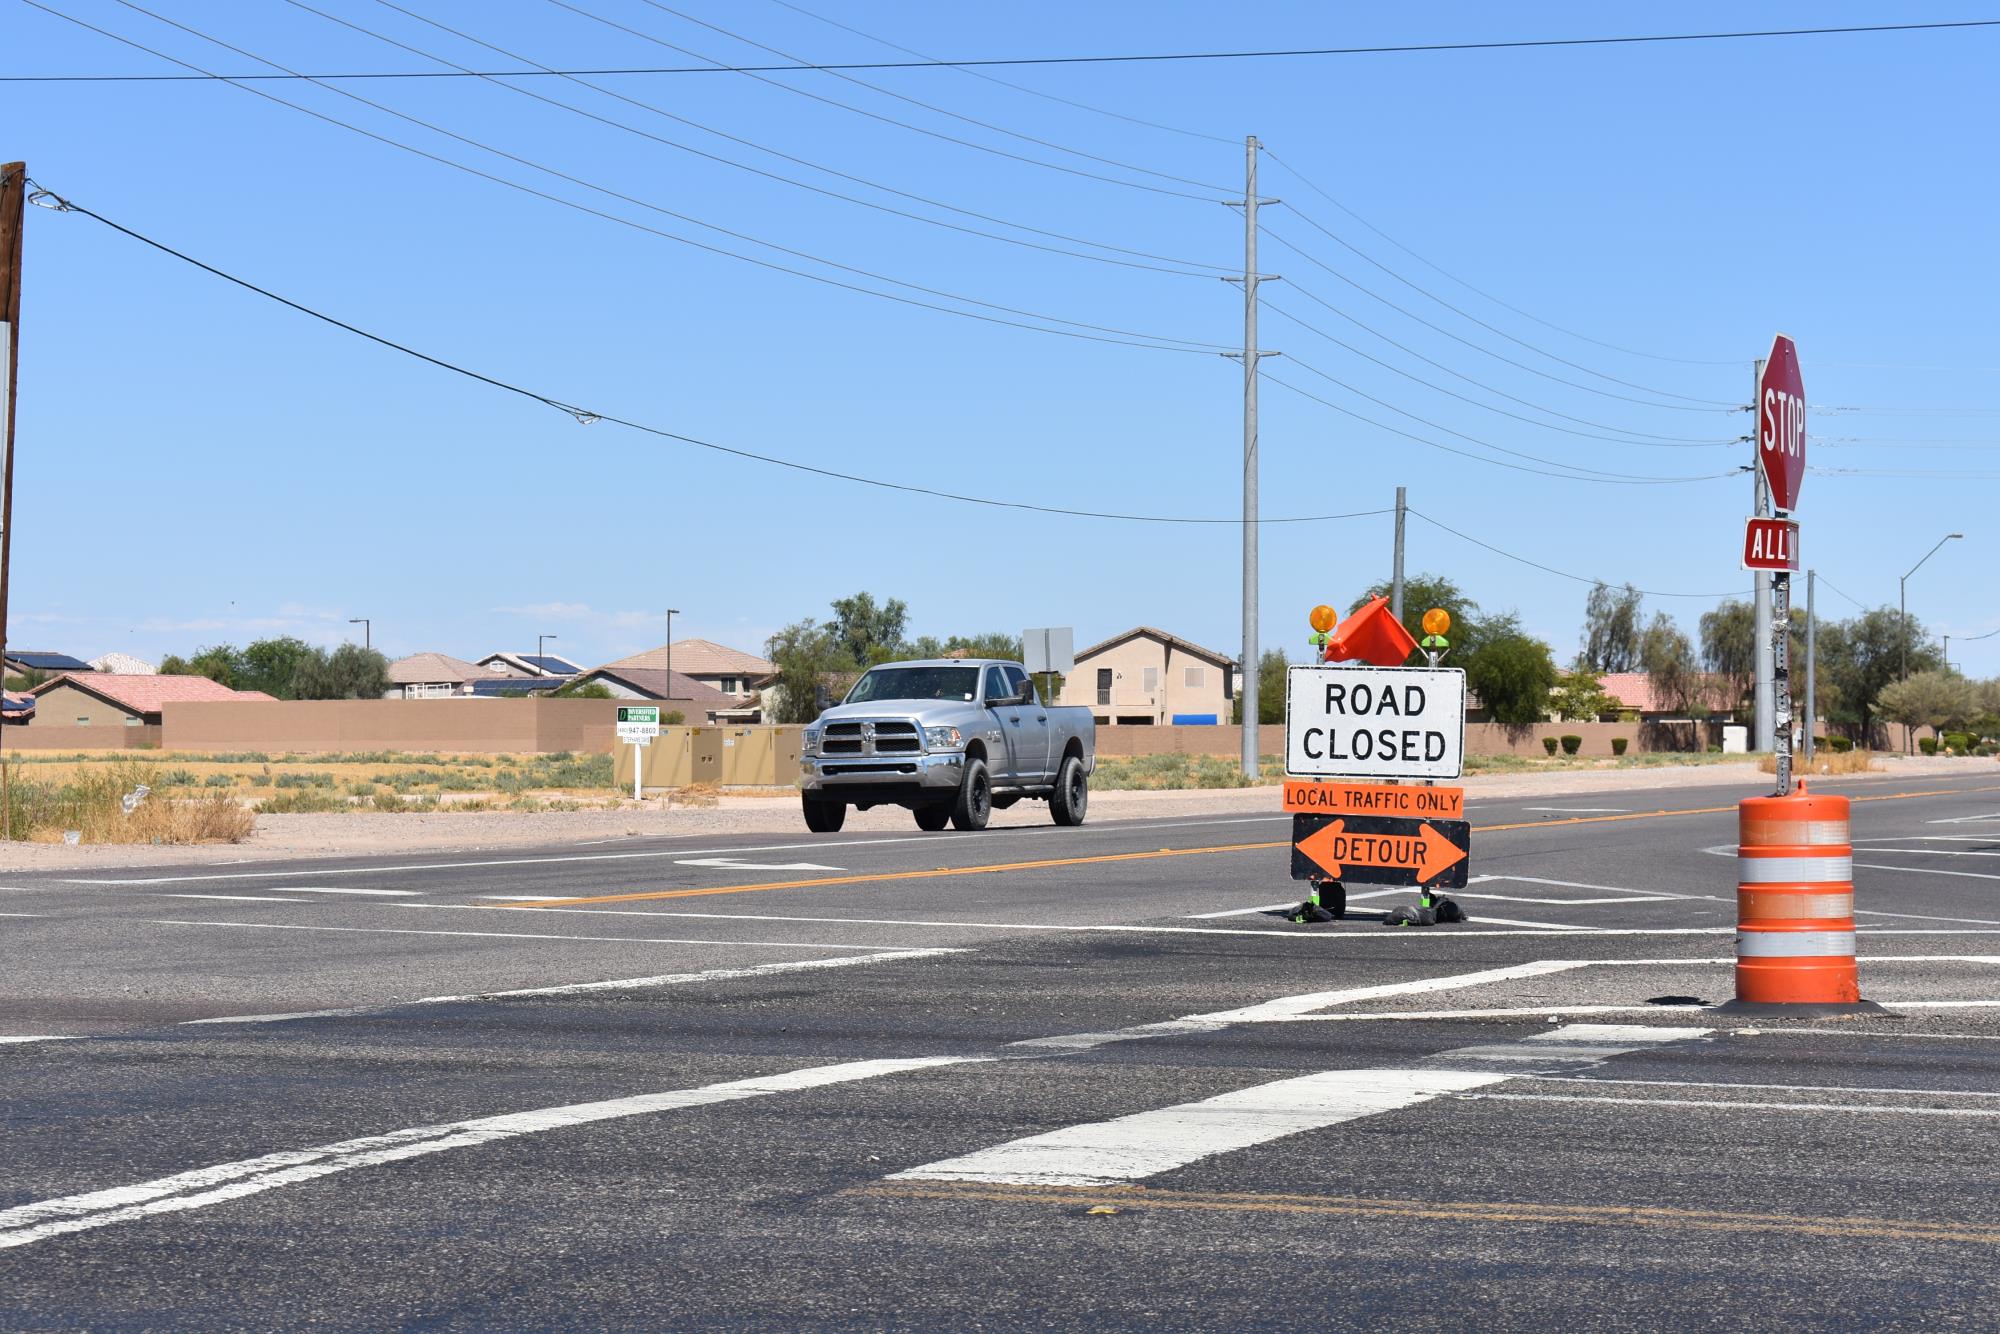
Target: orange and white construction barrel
x=1795, y=902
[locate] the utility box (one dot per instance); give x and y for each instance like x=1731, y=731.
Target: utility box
x=746, y=756
x=678, y=757
x=1735, y=739
x=785, y=746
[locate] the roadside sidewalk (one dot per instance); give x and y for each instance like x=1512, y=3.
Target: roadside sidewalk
x=776, y=817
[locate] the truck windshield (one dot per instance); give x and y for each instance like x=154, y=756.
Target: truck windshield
x=915, y=683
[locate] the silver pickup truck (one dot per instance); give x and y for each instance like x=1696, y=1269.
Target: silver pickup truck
x=949, y=739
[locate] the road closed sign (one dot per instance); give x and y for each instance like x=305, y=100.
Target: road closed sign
x=1374, y=722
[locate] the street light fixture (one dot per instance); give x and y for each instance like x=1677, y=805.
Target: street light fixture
x=541, y=665
x=367, y=630
x=1903, y=603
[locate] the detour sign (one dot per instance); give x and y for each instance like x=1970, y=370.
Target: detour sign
x=1378, y=850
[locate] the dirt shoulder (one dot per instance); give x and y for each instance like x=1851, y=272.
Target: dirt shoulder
x=776, y=817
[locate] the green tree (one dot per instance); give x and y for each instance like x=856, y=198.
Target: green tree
x=583, y=690
x=1933, y=699
x=806, y=654
x=222, y=663
x=269, y=665
x=1580, y=696
x=1611, y=632
x=868, y=633
x=1667, y=657
x=1870, y=655
x=349, y=672
x=1468, y=626
x=1272, y=667
x=1513, y=674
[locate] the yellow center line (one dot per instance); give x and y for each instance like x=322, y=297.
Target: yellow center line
x=1137, y=1198
x=874, y=877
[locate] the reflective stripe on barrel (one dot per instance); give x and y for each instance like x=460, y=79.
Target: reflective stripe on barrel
x=1795, y=901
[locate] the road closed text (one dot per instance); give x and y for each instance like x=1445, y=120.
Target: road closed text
x=1383, y=722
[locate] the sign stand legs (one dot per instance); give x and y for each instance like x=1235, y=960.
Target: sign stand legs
x=1781, y=678
x=638, y=763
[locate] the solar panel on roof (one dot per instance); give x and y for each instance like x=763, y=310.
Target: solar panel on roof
x=554, y=666
x=50, y=662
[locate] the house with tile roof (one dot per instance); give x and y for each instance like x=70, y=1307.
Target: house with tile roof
x=122, y=664
x=432, y=676
x=1147, y=677
x=42, y=662
x=698, y=702
x=108, y=699
x=721, y=668
x=529, y=664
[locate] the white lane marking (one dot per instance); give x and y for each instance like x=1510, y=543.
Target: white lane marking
x=36, y=1037
x=1239, y=912
x=567, y=858
x=737, y=864
x=520, y=935
x=1925, y=917
x=1766, y=1088
x=1521, y=1012
x=338, y=889
x=1320, y=1000
x=1728, y=1105
x=1966, y=819
x=23, y=914
x=503, y=898
x=578, y=988
x=1923, y=870
x=1541, y=929
x=223, y=1182
x=234, y=898
x=1583, y=810
x=1580, y=884
x=1570, y=903
x=1927, y=852
x=1145, y=1144
x=1540, y=926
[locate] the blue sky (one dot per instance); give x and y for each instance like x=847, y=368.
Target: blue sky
x=197, y=464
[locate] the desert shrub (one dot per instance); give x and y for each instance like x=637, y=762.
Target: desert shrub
x=673, y=718
x=560, y=770
x=301, y=801
x=177, y=778
x=1840, y=745
x=1959, y=742
x=1549, y=744
x=92, y=804
x=304, y=780
x=361, y=789
x=1928, y=745
x=1572, y=743
x=219, y=780
x=1618, y=744
x=1714, y=748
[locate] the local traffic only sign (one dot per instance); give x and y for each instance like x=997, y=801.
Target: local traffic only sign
x=1374, y=722
x=1770, y=544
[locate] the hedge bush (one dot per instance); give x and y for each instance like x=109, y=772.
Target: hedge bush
x=1549, y=744
x=1618, y=744
x=1960, y=742
x=1840, y=744
x=1928, y=745
x=1572, y=743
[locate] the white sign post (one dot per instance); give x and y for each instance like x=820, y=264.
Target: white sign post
x=638, y=724
x=1374, y=722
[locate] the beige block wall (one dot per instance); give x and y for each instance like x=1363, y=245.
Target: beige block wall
x=517, y=726
x=1171, y=693
x=40, y=735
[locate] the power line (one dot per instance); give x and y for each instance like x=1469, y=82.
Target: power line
x=937, y=110
x=886, y=120
x=1572, y=475
x=1655, y=442
x=1925, y=474
x=1103, y=334
x=1161, y=267
x=586, y=416
x=1338, y=240
x=1002, y=62
x=1550, y=569
x=1476, y=291
x=1829, y=583
x=1319, y=263
x=1017, y=87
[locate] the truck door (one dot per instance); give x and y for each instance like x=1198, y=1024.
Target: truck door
x=1007, y=721
x=1031, y=739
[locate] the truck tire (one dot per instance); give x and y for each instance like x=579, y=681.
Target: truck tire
x=930, y=819
x=974, y=806
x=1071, y=797
x=824, y=817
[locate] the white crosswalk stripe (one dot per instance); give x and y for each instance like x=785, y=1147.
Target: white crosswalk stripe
x=1130, y=1148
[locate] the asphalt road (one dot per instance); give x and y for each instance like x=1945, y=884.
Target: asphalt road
x=1030, y=1078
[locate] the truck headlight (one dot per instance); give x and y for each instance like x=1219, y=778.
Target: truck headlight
x=809, y=741
x=943, y=738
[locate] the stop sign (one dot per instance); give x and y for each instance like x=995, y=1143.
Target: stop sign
x=1781, y=424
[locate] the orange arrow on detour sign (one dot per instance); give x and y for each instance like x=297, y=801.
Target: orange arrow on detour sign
x=1381, y=851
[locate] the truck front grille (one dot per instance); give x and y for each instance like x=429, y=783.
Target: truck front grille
x=893, y=737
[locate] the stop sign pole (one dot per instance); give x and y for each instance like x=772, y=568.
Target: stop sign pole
x=1780, y=414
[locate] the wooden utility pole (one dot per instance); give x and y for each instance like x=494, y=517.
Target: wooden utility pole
x=13, y=198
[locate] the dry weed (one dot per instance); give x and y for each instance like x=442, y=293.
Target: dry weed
x=1824, y=762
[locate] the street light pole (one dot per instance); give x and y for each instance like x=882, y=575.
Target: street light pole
x=671, y=613
x=367, y=630
x=1903, y=604
x=541, y=669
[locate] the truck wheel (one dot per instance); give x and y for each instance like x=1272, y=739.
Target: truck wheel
x=1071, y=797
x=975, y=797
x=824, y=817
x=930, y=819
